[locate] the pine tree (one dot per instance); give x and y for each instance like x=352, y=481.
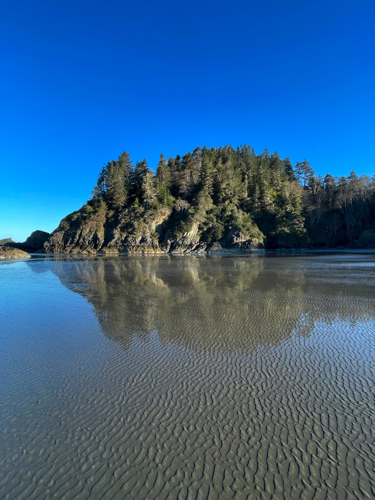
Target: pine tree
x=126, y=169
x=289, y=171
x=140, y=170
x=352, y=176
x=163, y=173
x=148, y=195
x=276, y=168
x=163, y=183
x=111, y=185
x=329, y=182
x=224, y=188
x=207, y=176
x=304, y=172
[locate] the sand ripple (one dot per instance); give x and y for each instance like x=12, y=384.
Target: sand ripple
x=172, y=418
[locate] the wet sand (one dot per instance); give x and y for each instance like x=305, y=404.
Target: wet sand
x=197, y=378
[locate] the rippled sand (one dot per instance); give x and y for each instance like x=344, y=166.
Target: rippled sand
x=188, y=378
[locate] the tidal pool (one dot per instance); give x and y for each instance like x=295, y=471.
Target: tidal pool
x=188, y=377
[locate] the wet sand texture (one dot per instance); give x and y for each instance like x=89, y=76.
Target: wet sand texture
x=192, y=378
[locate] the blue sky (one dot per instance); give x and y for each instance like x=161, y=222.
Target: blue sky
x=83, y=81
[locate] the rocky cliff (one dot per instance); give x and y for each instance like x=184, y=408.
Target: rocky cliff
x=92, y=230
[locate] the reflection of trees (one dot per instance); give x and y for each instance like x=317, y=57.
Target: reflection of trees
x=219, y=304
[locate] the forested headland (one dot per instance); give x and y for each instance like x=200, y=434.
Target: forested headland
x=219, y=198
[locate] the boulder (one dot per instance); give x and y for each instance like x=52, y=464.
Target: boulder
x=13, y=253
x=215, y=246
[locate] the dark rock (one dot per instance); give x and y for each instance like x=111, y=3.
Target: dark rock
x=33, y=243
x=36, y=239
x=367, y=238
x=283, y=240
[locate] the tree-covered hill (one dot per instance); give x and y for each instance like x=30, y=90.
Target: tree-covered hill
x=218, y=198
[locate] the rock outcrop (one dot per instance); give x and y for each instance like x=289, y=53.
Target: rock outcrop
x=88, y=232
x=34, y=243
x=7, y=252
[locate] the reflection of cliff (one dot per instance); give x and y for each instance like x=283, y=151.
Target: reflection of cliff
x=219, y=304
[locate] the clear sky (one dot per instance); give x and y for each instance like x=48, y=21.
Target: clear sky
x=83, y=81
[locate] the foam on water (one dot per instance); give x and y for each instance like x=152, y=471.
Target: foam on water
x=188, y=378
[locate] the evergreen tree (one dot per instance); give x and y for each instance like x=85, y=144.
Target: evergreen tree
x=304, y=172
x=149, y=194
x=329, y=182
x=139, y=172
x=163, y=182
x=207, y=176
x=289, y=171
x=225, y=189
x=163, y=173
x=277, y=169
x=111, y=185
x=352, y=176
x=126, y=169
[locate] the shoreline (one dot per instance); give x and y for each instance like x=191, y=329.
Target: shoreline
x=210, y=253
x=219, y=253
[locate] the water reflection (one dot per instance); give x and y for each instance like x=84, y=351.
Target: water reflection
x=216, y=304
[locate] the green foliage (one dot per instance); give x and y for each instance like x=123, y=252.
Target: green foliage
x=304, y=172
x=214, y=232
x=226, y=190
x=138, y=173
x=163, y=173
x=148, y=190
x=114, y=181
x=243, y=223
x=184, y=226
x=164, y=197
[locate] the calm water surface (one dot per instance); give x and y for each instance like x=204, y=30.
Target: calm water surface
x=188, y=378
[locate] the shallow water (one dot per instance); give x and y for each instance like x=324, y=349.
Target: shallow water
x=188, y=378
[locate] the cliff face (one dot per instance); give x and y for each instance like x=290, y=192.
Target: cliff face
x=92, y=231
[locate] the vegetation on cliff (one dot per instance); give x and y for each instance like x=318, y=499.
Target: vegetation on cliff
x=4, y=241
x=218, y=197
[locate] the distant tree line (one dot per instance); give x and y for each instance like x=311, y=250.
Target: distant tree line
x=224, y=189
